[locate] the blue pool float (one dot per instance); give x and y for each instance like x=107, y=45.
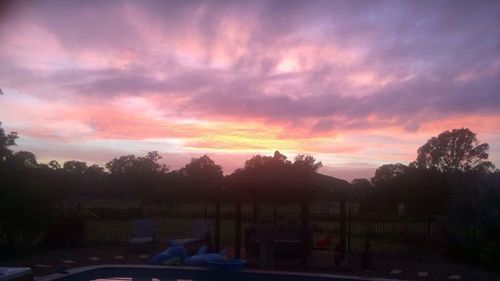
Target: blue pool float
x=202, y=257
x=174, y=252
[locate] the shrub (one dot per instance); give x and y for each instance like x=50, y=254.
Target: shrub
x=68, y=228
x=473, y=218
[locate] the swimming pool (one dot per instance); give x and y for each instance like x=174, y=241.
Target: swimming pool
x=175, y=273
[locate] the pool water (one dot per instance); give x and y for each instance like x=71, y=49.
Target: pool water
x=164, y=273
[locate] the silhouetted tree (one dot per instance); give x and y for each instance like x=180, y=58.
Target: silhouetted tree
x=73, y=173
x=274, y=179
x=137, y=177
x=82, y=179
x=75, y=167
x=6, y=140
x=360, y=191
x=269, y=163
x=200, y=179
x=262, y=177
x=53, y=164
x=149, y=164
x=23, y=159
x=361, y=184
x=474, y=202
x=422, y=191
x=386, y=173
x=454, y=151
x=279, y=157
x=27, y=197
x=306, y=164
x=202, y=171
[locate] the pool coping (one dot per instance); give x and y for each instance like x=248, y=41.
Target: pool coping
x=78, y=270
x=16, y=273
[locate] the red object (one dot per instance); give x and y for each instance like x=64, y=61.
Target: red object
x=324, y=241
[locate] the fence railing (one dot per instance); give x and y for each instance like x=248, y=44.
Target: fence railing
x=388, y=235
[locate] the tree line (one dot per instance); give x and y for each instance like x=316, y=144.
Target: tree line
x=142, y=178
x=423, y=186
x=428, y=184
x=451, y=176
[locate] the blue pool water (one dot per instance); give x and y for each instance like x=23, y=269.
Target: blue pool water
x=162, y=273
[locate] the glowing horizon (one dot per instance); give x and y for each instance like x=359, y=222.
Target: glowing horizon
x=356, y=85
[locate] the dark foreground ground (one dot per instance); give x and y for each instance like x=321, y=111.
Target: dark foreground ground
x=44, y=262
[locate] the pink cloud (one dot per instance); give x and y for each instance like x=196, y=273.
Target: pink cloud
x=347, y=82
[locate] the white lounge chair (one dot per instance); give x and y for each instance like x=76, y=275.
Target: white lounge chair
x=143, y=232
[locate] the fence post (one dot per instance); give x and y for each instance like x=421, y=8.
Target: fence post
x=217, y=226
x=304, y=222
x=349, y=218
x=304, y=213
x=237, y=231
x=254, y=213
x=275, y=221
x=429, y=225
x=342, y=227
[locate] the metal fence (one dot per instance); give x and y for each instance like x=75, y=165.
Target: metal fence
x=388, y=235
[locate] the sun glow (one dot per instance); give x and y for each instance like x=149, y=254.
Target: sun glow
x=287, y=65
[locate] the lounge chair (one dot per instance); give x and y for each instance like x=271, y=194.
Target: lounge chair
x=200, y=233
x=143, y=233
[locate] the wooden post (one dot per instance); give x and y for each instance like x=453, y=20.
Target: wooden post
x=237, y=231
x=217, y=227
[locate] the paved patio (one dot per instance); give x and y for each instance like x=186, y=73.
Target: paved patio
x=44, y=262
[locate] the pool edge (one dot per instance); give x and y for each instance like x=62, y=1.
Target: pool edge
x=78, y=270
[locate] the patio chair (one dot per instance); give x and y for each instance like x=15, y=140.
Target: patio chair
x=143, y=233
x=200, y=233
x=290, y=240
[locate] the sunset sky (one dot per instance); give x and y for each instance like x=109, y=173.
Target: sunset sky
x=356, y=84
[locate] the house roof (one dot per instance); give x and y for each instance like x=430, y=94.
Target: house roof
x=285, y=184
